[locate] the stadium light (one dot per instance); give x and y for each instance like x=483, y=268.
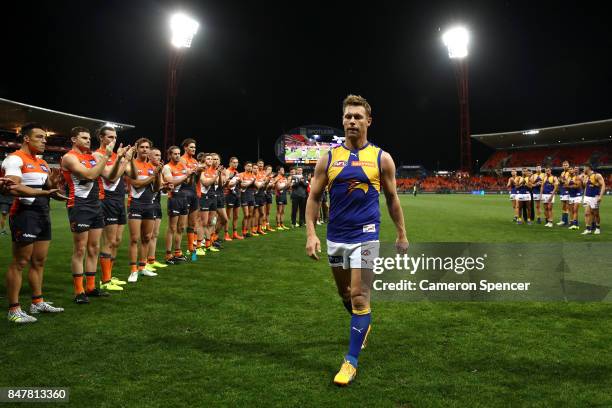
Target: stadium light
x=183, y=29
x=456, y=40
x=531, y=132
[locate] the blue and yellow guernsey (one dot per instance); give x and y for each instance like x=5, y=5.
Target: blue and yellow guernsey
x=574, y=188
x=522, y=188
x=592, y=186
x=549, y=185
x=354, y=187
x=537, y=182
x=562, y=189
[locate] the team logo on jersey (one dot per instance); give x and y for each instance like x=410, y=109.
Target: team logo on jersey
x=29, y=166
x=150, y=172
x=92, y=162
x=356, y=184
x=44, y=168
x=339, y=163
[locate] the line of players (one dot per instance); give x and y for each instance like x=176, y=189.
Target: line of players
x=204, y=199
x=574, y=189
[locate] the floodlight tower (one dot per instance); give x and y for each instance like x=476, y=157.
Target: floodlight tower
x=183, y=29
x=456, y=40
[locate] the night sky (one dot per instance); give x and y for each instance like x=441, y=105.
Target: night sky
x=261, y=68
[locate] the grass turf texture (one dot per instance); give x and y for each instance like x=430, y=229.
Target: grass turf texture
x=260, y=324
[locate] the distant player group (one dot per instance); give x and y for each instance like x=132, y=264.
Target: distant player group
x=575, y=189
x=204, y=200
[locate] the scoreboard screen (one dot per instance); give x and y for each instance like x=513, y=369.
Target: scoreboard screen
x=300, y=149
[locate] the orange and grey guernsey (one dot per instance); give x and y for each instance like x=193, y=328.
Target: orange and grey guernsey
x=354, y=189
x=33, y=173
x=191, y=163
x=260, y=176
x=232, y=173
x=247, y=176
x=142, y=195
x=209, y=172
x=177, y=170
x=218, y=187
x=82, y=191
x=112, y=189
x=279, y=180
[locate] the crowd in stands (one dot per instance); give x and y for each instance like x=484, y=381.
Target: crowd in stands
x=456, y=182
x=599, y=155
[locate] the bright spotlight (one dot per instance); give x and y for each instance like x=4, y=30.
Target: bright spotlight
x=183, y=29
x=456, y=40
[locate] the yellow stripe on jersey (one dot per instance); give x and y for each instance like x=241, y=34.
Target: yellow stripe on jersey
x=367, y=160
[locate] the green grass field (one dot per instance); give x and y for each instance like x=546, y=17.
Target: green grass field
x=259, y=324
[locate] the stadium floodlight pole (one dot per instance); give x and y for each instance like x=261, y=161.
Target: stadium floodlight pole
x=183, y=30
x=456, y=40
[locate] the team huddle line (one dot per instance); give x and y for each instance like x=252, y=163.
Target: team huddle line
x=574, y=188
x=204, y=202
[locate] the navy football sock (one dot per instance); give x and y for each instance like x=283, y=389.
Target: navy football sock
x=359, y=328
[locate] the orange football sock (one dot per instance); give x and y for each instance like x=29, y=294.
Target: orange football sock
x=133, y=267
x=151, y=260
x=106, y=264
x=190, y=237
x=90, y=281
x=77, y=282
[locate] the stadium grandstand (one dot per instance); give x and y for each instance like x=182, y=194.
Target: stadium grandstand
x=580, y=143
x=13, y=115
x=577, y=143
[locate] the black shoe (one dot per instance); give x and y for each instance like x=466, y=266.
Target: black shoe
x=170, y=261
x=97, y=293
x=180, y=259
x=217, y=244
x=248, y=235
x=81, y=299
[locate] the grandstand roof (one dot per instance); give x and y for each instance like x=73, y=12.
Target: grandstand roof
x=597, y=131
x=13, y=115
